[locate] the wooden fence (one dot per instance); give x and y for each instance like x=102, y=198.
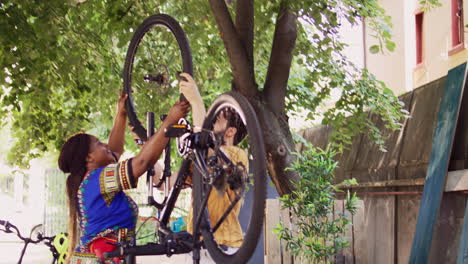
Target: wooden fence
x=275, y=249
x=382, y=229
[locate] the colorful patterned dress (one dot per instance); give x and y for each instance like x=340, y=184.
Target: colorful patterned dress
x=106, y=212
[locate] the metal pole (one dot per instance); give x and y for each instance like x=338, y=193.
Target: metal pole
x=130, y=259
x=150, y=173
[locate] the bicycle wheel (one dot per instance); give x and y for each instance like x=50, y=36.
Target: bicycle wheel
x=36, y=230
x=226, y=184
x=157, y=53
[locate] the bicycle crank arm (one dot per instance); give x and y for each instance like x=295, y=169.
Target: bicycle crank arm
x=146, y=250
x=149, y=249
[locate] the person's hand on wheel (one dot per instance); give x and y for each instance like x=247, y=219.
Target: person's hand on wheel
x=177, y=111
x=121, y=109
x=189, y=89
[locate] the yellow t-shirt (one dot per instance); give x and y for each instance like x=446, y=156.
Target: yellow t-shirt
x=229, y=232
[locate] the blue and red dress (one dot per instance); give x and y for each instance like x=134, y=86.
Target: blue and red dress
x=106, y=213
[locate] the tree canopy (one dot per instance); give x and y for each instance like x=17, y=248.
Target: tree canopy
x=61, y=64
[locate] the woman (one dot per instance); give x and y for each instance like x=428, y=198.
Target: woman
x=96, y=182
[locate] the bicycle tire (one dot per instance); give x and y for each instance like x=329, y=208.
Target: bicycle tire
x=159, y=20
x=257, y=166
x=35, y=230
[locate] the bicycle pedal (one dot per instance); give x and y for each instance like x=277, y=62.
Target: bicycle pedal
x=183, y=235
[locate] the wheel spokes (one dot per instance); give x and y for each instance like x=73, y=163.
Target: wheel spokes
x=156, y=62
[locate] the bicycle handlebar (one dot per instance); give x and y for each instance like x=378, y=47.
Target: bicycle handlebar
x=8, y=229
x=48, y=241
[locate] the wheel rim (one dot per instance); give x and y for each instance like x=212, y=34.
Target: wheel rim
x=218, y=253
x=152, y=76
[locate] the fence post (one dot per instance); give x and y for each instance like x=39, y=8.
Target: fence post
x=272, y=243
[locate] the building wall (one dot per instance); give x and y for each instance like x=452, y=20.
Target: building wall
x=390, y=66
x=398, y=69
x=436, y=45
x=384, y=226
x=392, y=183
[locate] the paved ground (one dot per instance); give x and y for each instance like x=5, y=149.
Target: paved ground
x=176, y=259
x=40, y=254
x=10, y=252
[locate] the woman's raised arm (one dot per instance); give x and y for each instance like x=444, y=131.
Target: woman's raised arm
x=117, y=134
x=152, y=149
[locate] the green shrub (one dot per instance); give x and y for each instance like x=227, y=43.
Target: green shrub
x=315, y=234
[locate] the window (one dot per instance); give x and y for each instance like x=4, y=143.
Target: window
x=457, y=23
x=419, y=37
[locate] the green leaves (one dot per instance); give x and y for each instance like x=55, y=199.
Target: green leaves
x=61, y=64
x=390, y=45
x=322, y=74
x=315, y=233
x=427, y=5
x=374, y=49
x=50, y=64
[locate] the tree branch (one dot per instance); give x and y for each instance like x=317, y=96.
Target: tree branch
x=244, y=80
x=244, y=26
x=280, y=60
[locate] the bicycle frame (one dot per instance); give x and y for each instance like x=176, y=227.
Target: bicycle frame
x=170, y=198
x=200, y=143
x=181, y=242
x=216, y=175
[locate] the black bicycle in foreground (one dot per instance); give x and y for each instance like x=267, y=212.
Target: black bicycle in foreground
x=57, y=244
x=158, y=52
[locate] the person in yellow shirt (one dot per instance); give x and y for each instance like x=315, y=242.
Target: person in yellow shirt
x=231, y=129
x=229, y=126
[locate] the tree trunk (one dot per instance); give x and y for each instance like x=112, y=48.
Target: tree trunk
x=281, y=56
x=244, y=78
x=276, y=132
x=269, y=105
x=279, y=146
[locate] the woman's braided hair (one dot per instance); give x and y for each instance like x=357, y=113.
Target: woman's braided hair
x=72, y=160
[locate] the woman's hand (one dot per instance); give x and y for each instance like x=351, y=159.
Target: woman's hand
x=177, y=111
x=121, y=109
x=152, y=149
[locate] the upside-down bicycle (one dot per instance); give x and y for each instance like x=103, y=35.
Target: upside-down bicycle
x=157, y=53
